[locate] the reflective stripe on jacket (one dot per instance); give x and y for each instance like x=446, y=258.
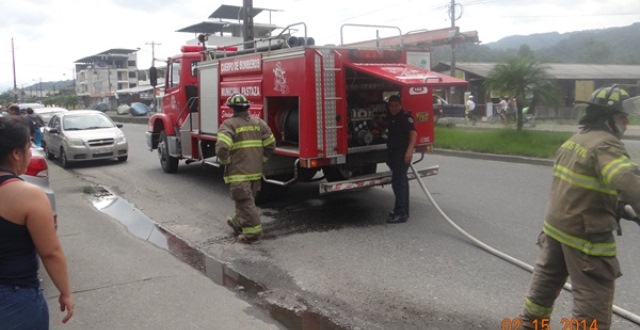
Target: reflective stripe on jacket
x=244, y=143
x=591, y=172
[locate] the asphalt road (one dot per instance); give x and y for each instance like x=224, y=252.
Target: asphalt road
x=336, y=254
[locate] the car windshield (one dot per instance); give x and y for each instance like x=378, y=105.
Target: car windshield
x=47, y=115
x=84, y=122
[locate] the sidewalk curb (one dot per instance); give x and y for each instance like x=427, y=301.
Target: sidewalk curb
x=494, y=157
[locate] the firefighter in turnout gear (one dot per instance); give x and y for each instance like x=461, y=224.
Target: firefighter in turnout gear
x=244, y=144
x=591, y=174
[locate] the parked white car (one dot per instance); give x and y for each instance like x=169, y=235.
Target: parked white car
x=82, y=135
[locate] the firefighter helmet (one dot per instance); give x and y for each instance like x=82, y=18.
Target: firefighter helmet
x=616, y=99
x=238, y=102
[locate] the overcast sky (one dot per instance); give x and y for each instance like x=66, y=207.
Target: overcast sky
x=50, y=35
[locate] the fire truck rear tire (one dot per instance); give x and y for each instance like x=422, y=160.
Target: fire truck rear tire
x=169, y=164
x=270, y=192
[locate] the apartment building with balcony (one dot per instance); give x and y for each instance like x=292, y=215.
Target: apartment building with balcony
x=99, y=76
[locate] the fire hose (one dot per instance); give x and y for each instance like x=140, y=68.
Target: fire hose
x=617, y=310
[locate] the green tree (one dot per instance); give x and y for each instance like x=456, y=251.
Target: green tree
x=523, y=78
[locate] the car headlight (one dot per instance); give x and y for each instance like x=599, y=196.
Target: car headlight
x=75, y=142
x=120, y=138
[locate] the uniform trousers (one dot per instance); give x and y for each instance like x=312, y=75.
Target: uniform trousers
x=592, y=281
x=243, y=194
x=399, y=181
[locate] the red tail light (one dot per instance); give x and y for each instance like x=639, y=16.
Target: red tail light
x=38, y=167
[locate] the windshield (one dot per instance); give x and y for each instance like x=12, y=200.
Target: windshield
x=82, y=122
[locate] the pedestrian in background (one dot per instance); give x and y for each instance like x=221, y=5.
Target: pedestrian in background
x=592, y=172
x=36, y=122
x=27, y=230
x=14, y=110
x=470, y=109
x=402, y=139
x=244, y=144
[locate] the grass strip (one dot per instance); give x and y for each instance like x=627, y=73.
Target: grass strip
x=528, y=143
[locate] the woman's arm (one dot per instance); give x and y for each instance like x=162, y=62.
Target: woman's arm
x=40, y=224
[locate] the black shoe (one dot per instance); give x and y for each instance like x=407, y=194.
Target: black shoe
x=391, y=215
x=398, y=219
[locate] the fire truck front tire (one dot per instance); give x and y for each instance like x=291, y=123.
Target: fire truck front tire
x=169, y=164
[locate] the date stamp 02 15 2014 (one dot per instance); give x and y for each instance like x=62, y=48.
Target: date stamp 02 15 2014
x=567, y=324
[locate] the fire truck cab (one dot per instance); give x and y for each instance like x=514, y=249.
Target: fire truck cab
x=321, y=103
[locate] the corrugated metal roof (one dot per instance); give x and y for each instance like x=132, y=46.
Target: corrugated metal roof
x=204, y=27
x=566, y=71
x=234, y=12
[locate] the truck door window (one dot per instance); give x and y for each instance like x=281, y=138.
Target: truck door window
x=174, y=75
x=194, y=68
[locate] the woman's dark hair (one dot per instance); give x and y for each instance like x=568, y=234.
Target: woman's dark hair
x=595, y=117
x=14, y=133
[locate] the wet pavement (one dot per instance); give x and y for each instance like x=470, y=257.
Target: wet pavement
x=293, y=314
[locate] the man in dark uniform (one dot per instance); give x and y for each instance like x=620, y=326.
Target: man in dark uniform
x=402, y=138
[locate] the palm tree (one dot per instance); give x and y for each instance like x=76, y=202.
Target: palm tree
x=525, y=79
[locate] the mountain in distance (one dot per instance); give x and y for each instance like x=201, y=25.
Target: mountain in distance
x=51, y=85
x=535, y=41
x=617, y=45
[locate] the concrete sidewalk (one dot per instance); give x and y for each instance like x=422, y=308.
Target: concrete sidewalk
x=121, y=282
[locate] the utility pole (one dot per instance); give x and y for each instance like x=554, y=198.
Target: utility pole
x=15, y=86
x=153, y=51
x=452, y=15
x=247, y=23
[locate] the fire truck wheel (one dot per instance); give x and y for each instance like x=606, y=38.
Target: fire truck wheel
x=333, y=174
x=269, y=193
x=169, y=164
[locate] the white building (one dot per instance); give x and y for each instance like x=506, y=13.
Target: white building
x=99, y=76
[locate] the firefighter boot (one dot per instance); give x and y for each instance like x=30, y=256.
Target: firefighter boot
x=235, y=225
x=249, y=239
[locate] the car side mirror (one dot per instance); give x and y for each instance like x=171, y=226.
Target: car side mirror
x=119, y=125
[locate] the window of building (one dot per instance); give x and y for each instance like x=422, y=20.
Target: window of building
x=132, y=63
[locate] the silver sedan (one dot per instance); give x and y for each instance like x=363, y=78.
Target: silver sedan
x=82, y=135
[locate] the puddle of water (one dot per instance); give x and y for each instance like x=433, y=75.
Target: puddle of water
x=146, y=229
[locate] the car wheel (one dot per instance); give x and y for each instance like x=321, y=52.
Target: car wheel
x=123, y=158
x=169, y=164
x=50, y=155
x=63, y=159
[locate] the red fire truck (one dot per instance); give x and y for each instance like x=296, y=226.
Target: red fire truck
x=320, y=102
